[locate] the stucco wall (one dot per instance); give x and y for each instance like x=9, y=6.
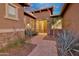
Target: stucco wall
x=31, y=21
x=6, y=23
x=42, y=15
x=71, y=18
x=10, y=29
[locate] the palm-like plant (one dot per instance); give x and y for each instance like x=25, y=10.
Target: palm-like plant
x=67, y=42
x=54, y=20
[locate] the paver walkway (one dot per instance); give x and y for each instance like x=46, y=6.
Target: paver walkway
x=44, y=47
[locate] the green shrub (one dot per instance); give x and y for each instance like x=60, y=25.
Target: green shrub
x=17, y=42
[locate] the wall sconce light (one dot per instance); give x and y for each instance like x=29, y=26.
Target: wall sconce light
x=28, y=26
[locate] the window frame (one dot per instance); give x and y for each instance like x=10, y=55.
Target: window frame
x=9, y=17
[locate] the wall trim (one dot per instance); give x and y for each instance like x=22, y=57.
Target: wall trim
x=10, y=30
x=6, y=12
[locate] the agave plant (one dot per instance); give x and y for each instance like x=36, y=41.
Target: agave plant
x=67, y=42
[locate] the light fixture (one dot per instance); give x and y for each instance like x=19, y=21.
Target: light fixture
x=28, y=26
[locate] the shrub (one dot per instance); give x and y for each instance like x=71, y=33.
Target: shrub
x=16, y=43
x=30, y=33
x=67, y=42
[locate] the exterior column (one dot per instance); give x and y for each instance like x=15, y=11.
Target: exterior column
x=34, y=24
x=48, y=27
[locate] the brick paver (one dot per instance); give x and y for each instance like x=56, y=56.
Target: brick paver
x=44, y=47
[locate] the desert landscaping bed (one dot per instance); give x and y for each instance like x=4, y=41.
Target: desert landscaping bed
x=17, y=50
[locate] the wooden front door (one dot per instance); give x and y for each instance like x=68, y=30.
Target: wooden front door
x=41, y=26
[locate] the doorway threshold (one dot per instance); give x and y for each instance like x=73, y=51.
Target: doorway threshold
x=42, y=33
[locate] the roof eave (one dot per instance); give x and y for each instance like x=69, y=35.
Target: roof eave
x=65, y=7
x=55, y=16
x=25, y=4
x=28, y=14
x=51, y=8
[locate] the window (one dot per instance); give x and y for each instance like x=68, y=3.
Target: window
x=11, y=11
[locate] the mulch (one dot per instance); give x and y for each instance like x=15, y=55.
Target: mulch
x=23, y=50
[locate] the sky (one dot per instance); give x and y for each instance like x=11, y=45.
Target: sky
x=37, y=6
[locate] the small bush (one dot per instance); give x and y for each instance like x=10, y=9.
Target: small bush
x=16, y=43
x=30, y=33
